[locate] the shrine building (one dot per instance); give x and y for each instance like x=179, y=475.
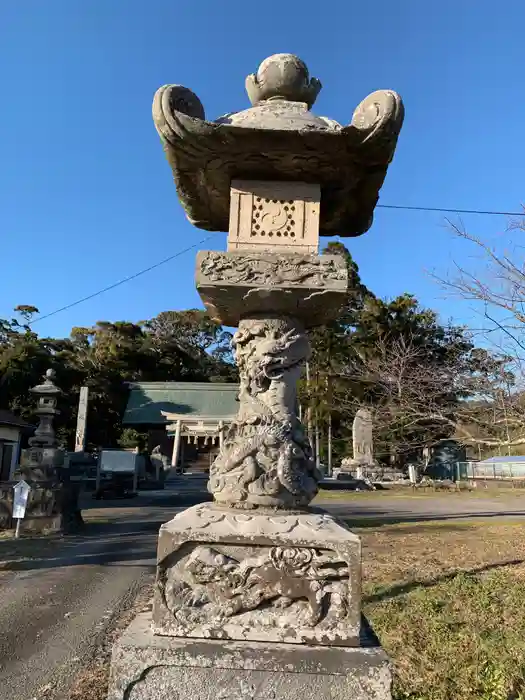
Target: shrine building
x=186, y=420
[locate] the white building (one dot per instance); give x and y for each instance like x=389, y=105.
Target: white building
x=11, y=431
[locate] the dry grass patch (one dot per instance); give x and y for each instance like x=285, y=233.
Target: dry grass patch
x=446, y=600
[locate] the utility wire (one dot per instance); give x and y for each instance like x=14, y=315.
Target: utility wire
x=192, y=247
x=126, y=279
x=453, y=211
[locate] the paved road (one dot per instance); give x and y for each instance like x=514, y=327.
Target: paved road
x=54, y=610
x=386, y=507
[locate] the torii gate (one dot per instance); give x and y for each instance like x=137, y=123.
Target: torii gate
x=211, y=428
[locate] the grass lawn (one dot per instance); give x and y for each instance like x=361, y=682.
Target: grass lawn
x=448, y=603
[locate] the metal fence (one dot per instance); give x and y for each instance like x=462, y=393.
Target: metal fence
x=490, y=470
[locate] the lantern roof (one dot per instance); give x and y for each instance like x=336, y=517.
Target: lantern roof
x=279, y=138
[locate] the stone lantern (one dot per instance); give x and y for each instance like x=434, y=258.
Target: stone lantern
x=53, y=503
x=47, y=396
x=43, y=459
x=258, y=594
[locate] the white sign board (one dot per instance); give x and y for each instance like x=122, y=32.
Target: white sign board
x=21, y=490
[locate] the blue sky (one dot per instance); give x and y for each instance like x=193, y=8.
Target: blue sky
x=86, y=196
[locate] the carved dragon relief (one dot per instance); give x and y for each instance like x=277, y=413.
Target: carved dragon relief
x=261, y=269
x=211, y=587
x=266, y=458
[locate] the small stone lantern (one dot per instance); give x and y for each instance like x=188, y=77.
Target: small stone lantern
x=43, y=458
x=54, y=497
x=47, y=395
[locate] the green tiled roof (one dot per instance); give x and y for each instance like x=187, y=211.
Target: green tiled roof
x=147, y=400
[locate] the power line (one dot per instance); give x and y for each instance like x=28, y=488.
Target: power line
x=192, y=247
x=126, y=279
x=452, y=211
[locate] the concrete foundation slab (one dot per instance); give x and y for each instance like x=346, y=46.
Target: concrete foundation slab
x=150, y=667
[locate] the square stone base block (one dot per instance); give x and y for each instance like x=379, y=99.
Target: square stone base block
x=265, y=577
x=149, y=667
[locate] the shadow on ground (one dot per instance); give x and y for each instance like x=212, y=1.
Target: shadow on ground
x=165, y=499
x=119, y=548
x=377, y=518
x=404, y=588
x=124, y=532
x=127, y=537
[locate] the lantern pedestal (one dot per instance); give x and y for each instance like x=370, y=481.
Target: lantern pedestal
x=146, y=666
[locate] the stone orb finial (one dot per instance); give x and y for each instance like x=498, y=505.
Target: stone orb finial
x=50, y=375
x=282, y=76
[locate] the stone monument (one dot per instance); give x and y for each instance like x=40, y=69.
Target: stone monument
x=362, y=438
x=258, y=595
x=40, y=461
x=362, y=464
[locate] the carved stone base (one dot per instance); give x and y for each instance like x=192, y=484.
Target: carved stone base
x=41, y=463
x=149, y=667
x=281, y=577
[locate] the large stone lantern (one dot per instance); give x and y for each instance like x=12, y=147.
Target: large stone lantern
x=258, y=594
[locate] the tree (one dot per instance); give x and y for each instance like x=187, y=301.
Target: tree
x=131, y=438
x=174, y=346
x=388, y=356
x=497, y=285
x=24, y=358
x=410, y=371
x=202, y=345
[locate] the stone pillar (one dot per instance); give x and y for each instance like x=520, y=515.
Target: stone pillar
x=135, y=486
x=176, y=445
x=258, y=594
x=80, y=435
x=272, y=286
